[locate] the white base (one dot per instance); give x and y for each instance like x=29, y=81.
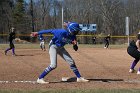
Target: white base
x=65, y=79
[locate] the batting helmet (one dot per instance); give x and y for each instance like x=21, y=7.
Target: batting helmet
x=73, y=28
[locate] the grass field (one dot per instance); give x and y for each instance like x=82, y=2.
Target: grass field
x=36, y=46
x=103, y=64
x=74, y=91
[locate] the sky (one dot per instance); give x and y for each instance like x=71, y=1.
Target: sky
x=27, y=1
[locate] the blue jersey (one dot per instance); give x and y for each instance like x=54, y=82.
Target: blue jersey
x=61, y=36
x=41, y=37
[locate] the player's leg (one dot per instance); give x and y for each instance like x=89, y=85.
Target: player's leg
x=107, y=44
x=135, y=54
x=53, y=64
x=44, y=48
x=41, y=45
x=7, y=50
x=66, y=56
x=134, y=63
x=137, y=57
x=13, y=52
x=13, y=48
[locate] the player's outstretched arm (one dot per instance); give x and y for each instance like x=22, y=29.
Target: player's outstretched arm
x=34, y=34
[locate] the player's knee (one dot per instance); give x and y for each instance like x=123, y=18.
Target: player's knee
x=53, y=66
x=70, y=61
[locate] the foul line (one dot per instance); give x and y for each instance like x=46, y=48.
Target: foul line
x=34, y=82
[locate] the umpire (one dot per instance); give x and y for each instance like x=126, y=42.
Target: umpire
x=11, y=44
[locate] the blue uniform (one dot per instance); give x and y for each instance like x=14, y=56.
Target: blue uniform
x=61, y=36
x=60, y=39
x=42, y=42
x=41, y=37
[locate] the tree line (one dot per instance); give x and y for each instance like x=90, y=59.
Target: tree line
x=109, y=15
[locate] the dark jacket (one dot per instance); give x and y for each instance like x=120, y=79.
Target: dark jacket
x=11, y=36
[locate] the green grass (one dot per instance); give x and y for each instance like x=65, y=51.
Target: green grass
x=74, y=91
x=21, y=46
x=36, y=46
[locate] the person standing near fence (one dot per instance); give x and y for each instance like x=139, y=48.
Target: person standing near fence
x=11, y=40
x=61, y=37
x=134, y=51
x=107, y=41
x=94, y=40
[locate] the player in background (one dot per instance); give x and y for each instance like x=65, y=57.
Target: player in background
x=56, y=46
x=94, y=40
x=107, y=41
x=134, y=51
x=11, y=44
x=42, y=42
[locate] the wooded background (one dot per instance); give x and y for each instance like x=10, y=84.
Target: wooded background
x=33, y=15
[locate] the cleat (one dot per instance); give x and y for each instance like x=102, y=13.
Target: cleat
x=41, y=81
x=138, y=72
x=132, y=71
x=14, y=55
x=81, y=79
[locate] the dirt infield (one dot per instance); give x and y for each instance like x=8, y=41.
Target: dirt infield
x=105, y=68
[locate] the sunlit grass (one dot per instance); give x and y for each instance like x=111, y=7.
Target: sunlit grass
x=36, y=46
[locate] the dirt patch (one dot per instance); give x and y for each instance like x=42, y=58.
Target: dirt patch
x=105, y=68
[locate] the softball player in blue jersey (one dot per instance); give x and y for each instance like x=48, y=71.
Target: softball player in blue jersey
x=42, y=42
x=56, y=46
